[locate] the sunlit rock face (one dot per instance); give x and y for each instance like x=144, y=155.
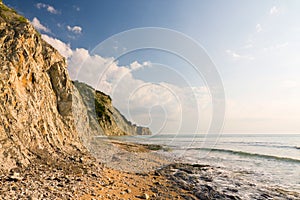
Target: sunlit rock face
x=42, y=114
x=36, y=118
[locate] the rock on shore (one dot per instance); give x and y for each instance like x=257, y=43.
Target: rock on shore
x=207, y=182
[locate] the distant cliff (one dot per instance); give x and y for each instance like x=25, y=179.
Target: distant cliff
x=102, y=112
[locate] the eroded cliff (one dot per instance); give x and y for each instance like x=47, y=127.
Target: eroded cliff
x=36, y=118
x=104, y=117
x=42, y=114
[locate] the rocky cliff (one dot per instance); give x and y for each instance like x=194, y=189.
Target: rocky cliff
x=36, y=117
x=102, y=112
x=42, y=114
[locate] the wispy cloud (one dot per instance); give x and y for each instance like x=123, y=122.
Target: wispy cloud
x=49, y=8
x=274, y=11
x=237, y=56
x=40, y=27
x=258, y=28
x=74, y=29
x=276, y=46
x=76, y=8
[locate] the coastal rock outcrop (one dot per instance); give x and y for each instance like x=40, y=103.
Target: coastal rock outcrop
x=102, y=112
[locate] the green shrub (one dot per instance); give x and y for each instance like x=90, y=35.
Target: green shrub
x=22, y=19
x=99, y=108
x=4, y=8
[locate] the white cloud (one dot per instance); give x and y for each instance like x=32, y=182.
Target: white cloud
x=147, y=63
x=40, y=27
x=63, y=48
x=274, y=11
x=180, y=108
x=136, y=65
x=237, y=56
x=258, y=28
x=49, y=8
x=75, y=29
x=233, y=54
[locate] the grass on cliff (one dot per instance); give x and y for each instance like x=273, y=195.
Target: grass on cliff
x=10, y=14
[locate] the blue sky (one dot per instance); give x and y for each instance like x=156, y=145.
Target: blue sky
x=255, y=46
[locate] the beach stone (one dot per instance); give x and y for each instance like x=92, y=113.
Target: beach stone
x=145, y=196
x=128, y=190
x=202, y=195
x=182, y=175
x=15, y=177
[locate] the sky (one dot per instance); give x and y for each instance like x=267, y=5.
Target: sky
x=253, y=45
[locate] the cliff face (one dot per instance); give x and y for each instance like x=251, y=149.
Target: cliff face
x=102, y=112
x=36, y=118
x=42, y=114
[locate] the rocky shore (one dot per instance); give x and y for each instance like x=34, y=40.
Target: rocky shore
x=83, y=177
x=208, y=182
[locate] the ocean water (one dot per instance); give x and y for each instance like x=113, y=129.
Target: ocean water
x=270, y=159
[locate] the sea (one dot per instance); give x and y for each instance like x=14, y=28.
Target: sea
x=271, y=159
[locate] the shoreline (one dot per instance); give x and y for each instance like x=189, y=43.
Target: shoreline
x=214, y=182
x=201, y=181
x=161, y=178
